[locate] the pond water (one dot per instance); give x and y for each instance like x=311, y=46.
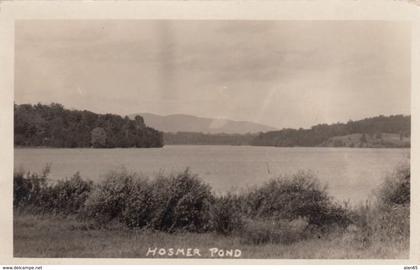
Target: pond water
x=350, y=173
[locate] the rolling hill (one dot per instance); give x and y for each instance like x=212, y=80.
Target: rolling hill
x=379, y=131
x=189, y=123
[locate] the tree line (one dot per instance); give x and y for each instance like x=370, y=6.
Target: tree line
x=54, y=126
x=316, y=135
x=207, y=139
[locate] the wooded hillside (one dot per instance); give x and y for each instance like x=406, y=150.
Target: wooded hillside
x=54, y=126
x=320, y=135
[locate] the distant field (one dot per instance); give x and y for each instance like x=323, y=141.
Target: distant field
x=37, y=236
x=380, y=140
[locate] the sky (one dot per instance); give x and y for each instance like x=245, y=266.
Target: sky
x=285, y=74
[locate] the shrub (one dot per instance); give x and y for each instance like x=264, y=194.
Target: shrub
x=396, y=188
x=392, y=214
x=175, y=202
x=292, y=197
x=28, y=188
x=108, y=199
x=388, y=218
x=227, y=214
x=33, y=192
x=181, y=202
x=66, y=196
x=137, y=212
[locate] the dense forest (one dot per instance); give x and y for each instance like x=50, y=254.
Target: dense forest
x=54, y=126
x=372, y=132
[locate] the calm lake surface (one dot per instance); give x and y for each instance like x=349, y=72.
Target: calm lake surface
x=350, y=173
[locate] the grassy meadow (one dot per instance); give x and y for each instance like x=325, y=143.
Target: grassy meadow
x=289, y=217
x=52, y=237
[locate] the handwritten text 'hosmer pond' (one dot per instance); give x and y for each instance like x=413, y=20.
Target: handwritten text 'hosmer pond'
x=193, y=252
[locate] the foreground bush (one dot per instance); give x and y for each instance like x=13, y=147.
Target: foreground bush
x=35, y=193
x=182, y=202
x=393, y=205
x=28, y=188
x=66, y=196
x=395, y=190
x=387, y=218
x=293, y=197
x=227, y=215
x=109, y=198
x=175, y=202
x=136, y=211
x=284, y=210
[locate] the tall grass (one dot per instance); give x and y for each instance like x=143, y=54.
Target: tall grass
x=387, y=217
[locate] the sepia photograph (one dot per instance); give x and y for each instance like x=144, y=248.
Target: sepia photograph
x=212, y=139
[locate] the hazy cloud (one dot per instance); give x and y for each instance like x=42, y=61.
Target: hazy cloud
x=280, y=73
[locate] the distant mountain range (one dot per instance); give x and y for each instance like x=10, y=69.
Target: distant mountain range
x=189, y=123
